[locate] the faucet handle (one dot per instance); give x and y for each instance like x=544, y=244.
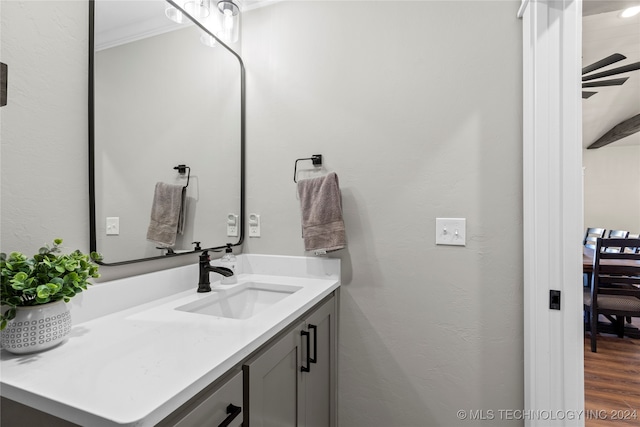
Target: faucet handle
x=197, y=248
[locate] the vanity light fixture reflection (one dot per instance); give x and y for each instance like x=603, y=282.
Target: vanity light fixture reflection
x=207, y=40
x=220, y=17
x=199, y=9
x=223, y=22
x=174, y=14
x=630, y=12
x=230, y=20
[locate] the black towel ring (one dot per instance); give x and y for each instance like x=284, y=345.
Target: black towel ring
x=316, y=159
x=181, y=170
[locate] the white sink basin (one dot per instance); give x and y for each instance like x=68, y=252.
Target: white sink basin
x=242, y=301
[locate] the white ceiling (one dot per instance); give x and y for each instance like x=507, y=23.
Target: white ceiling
x=605, y=33
x=119, y=22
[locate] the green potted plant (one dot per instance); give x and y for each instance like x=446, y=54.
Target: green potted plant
x=34, y=292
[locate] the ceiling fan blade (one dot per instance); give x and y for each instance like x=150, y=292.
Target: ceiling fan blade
x=611, y=59
x=619, y=131
x=613, y=71
x=611, y=82
x=586, y=95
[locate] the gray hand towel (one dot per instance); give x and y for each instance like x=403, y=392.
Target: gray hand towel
x=167, y=214
x=321, y=207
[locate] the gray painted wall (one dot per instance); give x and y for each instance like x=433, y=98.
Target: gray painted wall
x=44, y=125
x=612, y=188
x=416, y=105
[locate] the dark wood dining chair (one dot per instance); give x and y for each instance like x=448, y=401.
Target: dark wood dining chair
x=590, y=242
x=615, y=286
x=616, y=234
x=591, y=235
x=633, y=250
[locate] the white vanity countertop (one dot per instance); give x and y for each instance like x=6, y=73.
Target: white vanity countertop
x=137, y=365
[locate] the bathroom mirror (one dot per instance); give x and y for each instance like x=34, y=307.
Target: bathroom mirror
x=158, y=99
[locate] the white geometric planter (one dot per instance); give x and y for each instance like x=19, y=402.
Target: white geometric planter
x=36, y=328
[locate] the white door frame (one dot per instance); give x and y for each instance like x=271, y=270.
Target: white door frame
x=552, y=206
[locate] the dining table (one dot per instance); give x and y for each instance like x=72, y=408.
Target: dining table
x=587, y=261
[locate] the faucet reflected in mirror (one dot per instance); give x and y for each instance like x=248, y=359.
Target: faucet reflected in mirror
x=204, y=284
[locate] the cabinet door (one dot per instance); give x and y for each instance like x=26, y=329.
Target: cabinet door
x=272, y=384
x=293, y=382
x=320, y=382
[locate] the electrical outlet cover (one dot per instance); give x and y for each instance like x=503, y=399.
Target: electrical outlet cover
x=232, y=225
x=113, y=226
x=254, y=225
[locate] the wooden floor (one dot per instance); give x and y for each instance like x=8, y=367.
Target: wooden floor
x=612, y=382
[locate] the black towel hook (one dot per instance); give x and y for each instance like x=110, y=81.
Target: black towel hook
x=181, y=170
x=316, y=159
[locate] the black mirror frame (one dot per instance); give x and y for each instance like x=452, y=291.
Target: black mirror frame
x=91, y=121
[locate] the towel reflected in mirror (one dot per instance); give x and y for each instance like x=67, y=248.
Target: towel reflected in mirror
x=167, y=214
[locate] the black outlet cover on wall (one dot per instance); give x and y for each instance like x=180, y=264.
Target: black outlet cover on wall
x=4, y=71
x=554, y=299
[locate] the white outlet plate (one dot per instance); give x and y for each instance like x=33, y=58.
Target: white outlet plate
x=113, y=225
x=254, y=225
x=451, y=231
x=232, y=225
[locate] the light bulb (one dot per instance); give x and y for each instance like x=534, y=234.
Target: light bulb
x=199, y=9
x=229, y=21
x=630, y=12
x=228, y=7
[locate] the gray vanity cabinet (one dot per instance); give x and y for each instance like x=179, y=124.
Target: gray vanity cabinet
x=293, y=381
x=289, y=382
x=320, y=382
x=219, y=404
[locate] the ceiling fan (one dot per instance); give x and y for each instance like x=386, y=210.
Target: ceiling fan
x=626, y=127
x=605, y=62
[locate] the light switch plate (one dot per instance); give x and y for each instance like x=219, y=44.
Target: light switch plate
x=451, y=231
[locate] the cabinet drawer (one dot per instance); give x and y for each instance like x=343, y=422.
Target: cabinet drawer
x=214, y=410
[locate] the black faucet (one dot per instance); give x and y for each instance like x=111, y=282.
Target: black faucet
x=170, y=251
x=204, y=285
